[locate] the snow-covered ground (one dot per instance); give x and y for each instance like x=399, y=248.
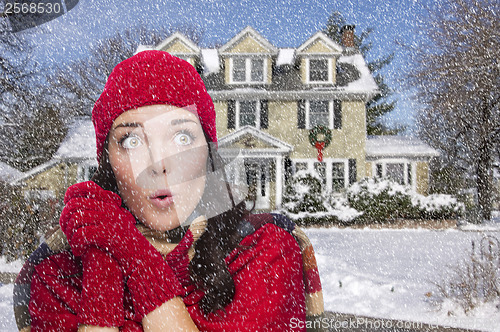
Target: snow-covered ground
x=380, y=273
x=387, y=273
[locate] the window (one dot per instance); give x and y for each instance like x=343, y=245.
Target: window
x=248, y=113
x=331, y=171
x=311, y=113
x=320, y=168
x=247, y=70
x=318, y=70
x=85, y=171
x=299, y=166
x=398, y=171
x=338, y=176
x=319, y=113
x=257, y=70
x=239, y=70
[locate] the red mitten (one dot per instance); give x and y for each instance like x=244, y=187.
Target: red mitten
x=102, y=290
x=94, y=217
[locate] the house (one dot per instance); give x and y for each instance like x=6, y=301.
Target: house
x=281, y=110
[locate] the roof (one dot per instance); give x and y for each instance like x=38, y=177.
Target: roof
x=365, y=82
x=9, y=173
x=210, y=59
x=388, y=146
x=79, y=142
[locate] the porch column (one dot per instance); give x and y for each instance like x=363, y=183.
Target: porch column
x=279, y=180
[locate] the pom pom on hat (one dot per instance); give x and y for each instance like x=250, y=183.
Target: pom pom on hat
x=149, y=78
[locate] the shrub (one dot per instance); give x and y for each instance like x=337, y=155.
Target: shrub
x=475, y=280
x=384, y=201
x=306, y=203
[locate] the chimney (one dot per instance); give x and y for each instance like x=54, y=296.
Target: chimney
x=347, y=32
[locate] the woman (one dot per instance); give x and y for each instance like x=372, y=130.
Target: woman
x=143, y=255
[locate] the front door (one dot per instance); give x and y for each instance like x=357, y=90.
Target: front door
x=257, y=176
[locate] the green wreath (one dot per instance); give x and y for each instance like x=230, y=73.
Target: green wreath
x=320, y=129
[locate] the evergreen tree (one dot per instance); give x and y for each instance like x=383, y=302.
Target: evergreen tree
x=380, y=105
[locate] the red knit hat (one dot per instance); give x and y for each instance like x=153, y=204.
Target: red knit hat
x=148, y=78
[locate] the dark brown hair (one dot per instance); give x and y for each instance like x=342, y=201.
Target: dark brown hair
x=208, y=268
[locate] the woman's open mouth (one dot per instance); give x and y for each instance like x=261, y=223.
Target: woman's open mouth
x=161, y=199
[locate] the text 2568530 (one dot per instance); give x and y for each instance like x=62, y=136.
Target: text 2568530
x=33, y=8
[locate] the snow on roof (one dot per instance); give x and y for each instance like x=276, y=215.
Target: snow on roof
x=210, y=59
x=285, y=56
x=398, y=146
x=8, y=173
x=141, y=48
x=366, y=81
x=79, y=142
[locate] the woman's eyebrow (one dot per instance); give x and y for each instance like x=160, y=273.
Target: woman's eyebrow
x=180, y=121
x=129, y=124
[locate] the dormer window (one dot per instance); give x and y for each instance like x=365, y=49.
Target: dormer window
x=319, y=71
x=247, y=70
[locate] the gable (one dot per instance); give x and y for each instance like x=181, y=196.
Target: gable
x=177, y=47
x=248, y=44
x=250, y=138
x=249, y=141
x=248, y=41
x=320, y=43
x=318, y=46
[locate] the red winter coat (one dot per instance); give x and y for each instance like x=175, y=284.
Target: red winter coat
x=267, y=273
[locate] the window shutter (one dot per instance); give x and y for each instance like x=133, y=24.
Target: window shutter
x=352, y=171
x=301, y=114
x=231, y=114
x=337, y=114
x=264, y=111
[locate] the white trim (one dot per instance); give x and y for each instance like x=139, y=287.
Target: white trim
x=279, y=146
x=279, y=180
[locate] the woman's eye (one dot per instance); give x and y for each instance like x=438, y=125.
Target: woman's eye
x=131, y=142
x=183, y=139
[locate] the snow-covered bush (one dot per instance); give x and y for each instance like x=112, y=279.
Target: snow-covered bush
x=383, y=201
x=474, y=281
x=306, y=203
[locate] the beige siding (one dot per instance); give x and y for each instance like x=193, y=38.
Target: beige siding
x=422, y=178
x=56, y=179
x=177, y=47
x=227, y=70
x=368, y=170
x=248, y=45
x=318, y=46
x=348, y=142
x=269, y=65
x=221, y=118
x=303, y=70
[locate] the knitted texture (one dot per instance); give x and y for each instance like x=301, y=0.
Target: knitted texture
x=149, y=78
x=93, y=217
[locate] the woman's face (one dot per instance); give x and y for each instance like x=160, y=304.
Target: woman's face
x=159, y=154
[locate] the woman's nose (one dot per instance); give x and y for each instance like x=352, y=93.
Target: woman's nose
x=159, y=159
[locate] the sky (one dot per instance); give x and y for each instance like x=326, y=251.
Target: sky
x=286, y=23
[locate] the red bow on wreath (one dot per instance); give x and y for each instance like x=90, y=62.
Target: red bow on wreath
x=320, y=144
